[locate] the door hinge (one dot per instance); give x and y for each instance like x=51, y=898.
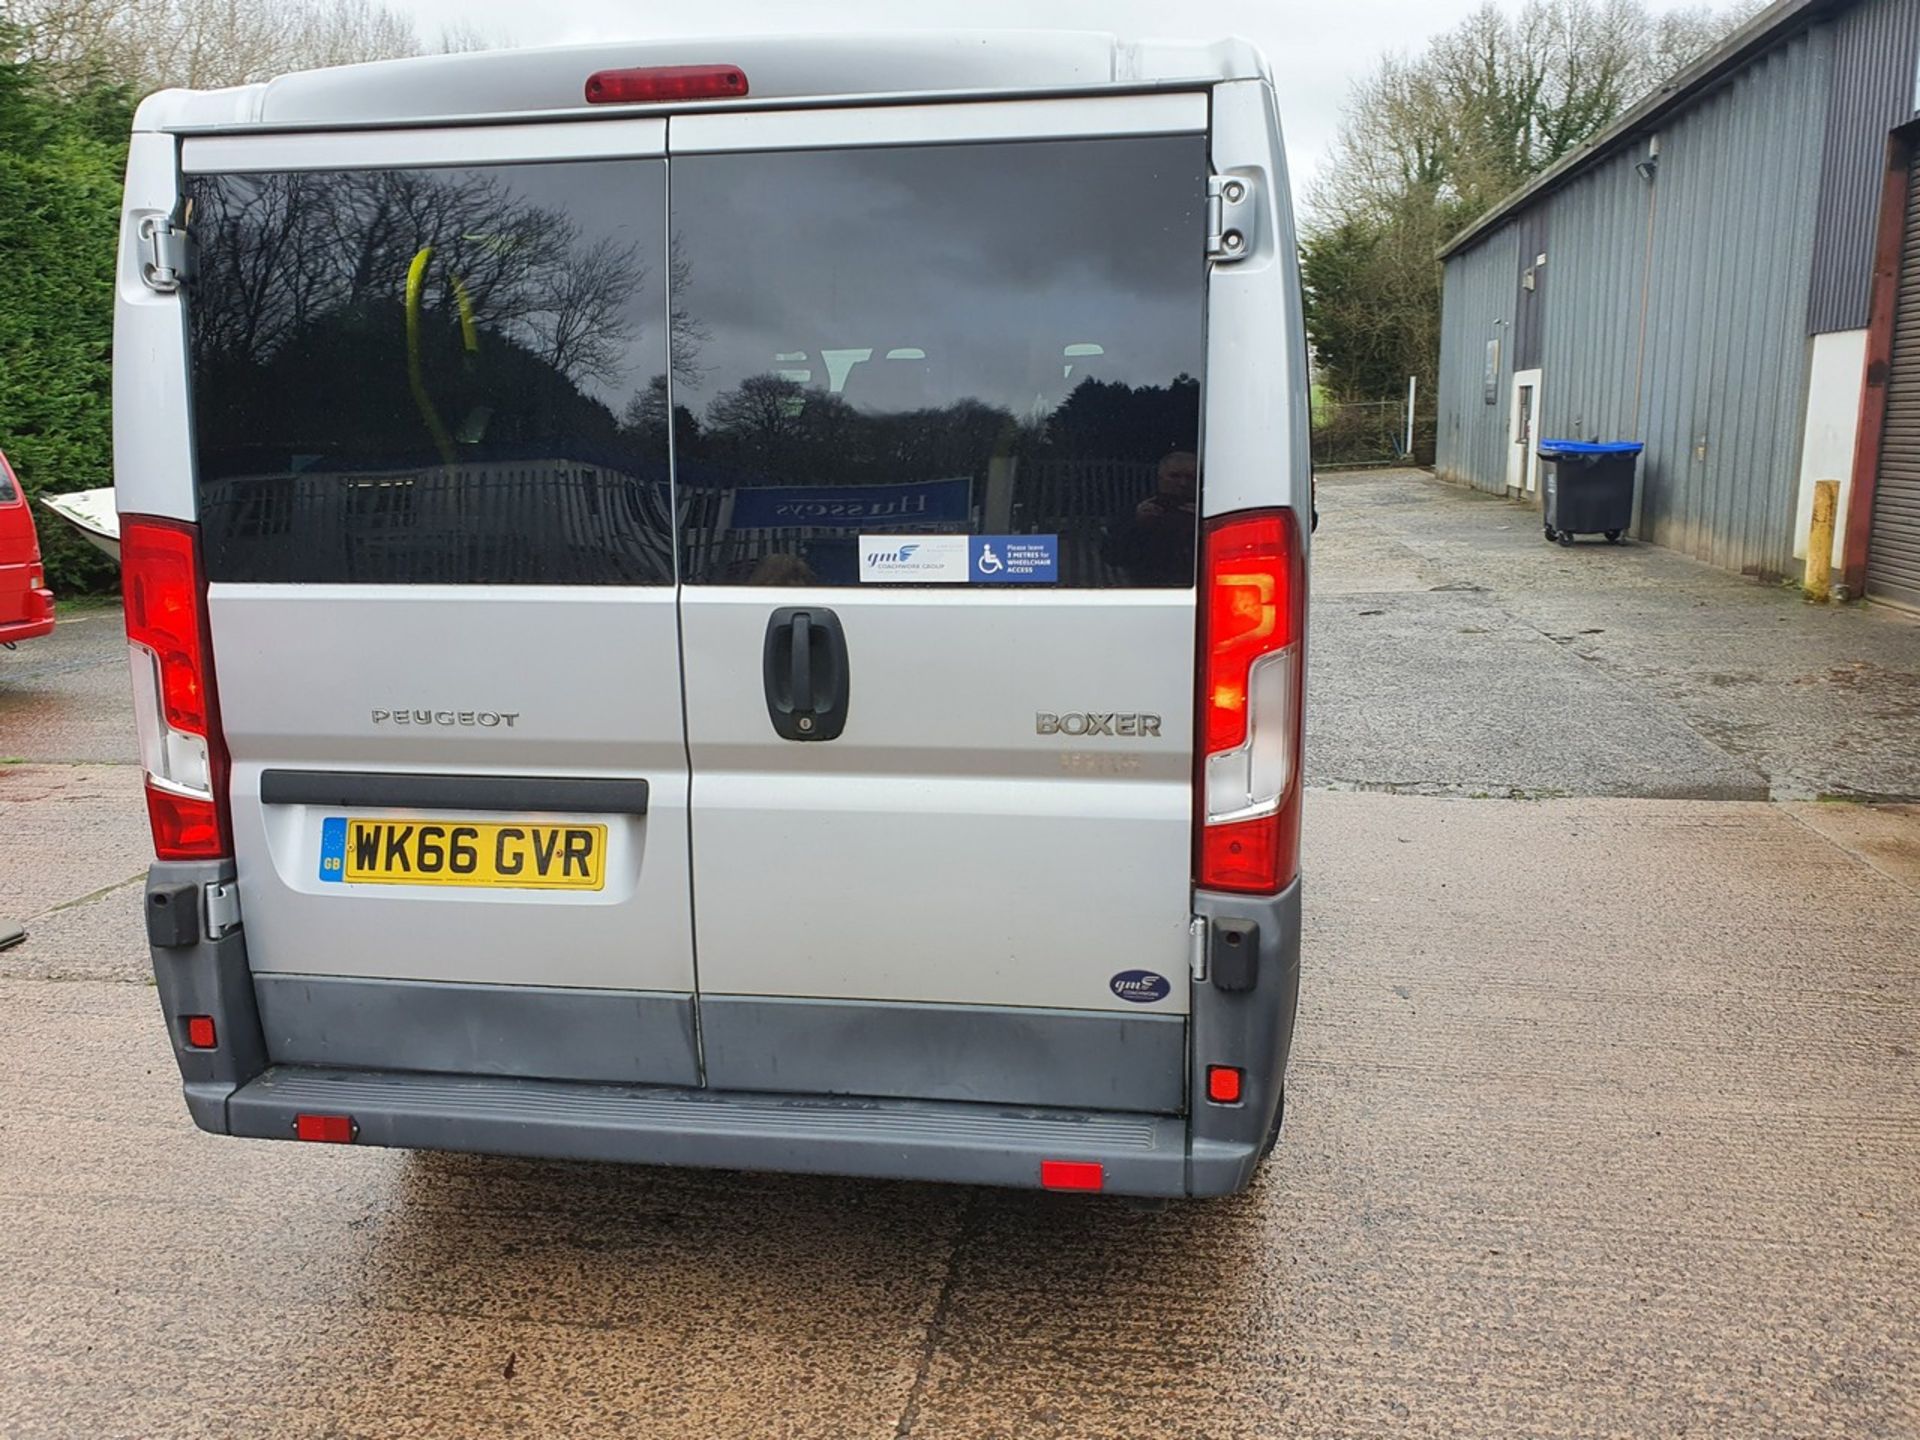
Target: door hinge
x=1230, y=214
x=166, y=253
x=223, y=908
x=1197, y=931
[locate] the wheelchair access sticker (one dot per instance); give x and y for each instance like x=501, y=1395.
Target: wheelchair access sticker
x=960, y=559
x=1015, y=560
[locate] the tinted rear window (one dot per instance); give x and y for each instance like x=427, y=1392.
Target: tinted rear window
x=990, y=340
x=433, y=375
x=7, y=493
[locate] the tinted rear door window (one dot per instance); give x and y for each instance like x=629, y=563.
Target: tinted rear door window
x=433, y=375
x=998, y=339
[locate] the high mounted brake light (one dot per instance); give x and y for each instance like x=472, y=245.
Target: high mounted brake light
x=660, y=83
x=1252, y=613
x=173, y=695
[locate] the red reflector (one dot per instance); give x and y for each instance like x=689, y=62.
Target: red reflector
x=666, y=82
x=1244, y=856
x=327, y=1129
x=200, y=1034
x=1071, y=1175
x=1223, y=1085
x=185, y=827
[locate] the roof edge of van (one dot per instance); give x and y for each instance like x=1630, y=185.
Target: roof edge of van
x=549, y=82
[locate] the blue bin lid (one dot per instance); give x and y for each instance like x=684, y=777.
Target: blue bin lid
x=1551, y=448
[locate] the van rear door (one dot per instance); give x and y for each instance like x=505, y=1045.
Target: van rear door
x=433, y=499
x=935, y=434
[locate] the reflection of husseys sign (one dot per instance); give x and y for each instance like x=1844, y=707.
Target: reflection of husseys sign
x=787, y=506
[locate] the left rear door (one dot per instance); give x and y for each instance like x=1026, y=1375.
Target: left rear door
x=434, y=504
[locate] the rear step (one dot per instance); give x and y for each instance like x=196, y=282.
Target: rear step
x=651, y=1125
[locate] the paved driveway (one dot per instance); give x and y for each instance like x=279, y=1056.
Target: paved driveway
x=1604, y=1120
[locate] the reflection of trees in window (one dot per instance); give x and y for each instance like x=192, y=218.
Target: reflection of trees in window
x=280, y=252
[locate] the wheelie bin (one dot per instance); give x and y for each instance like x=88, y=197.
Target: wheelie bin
x=1590, y=488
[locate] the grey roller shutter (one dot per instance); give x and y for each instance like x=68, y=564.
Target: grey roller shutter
x=1893, y=551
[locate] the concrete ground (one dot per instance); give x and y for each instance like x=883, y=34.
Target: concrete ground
x=1603, y=1119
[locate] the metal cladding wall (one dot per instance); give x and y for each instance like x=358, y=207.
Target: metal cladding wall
x=1471, y=447
x=1714, y=379
x=1597, y=267
x=1876, y=47
x=1723, y=394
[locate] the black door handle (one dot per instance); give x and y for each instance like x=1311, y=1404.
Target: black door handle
x=805, y=668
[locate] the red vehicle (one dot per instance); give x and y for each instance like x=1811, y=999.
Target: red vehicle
x=26, y=605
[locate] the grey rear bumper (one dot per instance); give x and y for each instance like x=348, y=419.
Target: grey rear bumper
x=246, y=1088
x=890, y=1139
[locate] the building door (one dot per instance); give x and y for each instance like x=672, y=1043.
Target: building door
x=1523, y=459
x=1893, y=549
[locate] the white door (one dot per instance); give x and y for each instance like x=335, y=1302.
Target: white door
x=1523, y=453
x=935, y=435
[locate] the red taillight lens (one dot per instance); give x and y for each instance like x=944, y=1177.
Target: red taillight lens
x=200, y=1032
x=325, y=1129
x=174, y=701
x=1251, y=689
x=1072, y=1175
x=658, y=83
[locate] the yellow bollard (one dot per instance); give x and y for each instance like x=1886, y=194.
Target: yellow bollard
x=1826, y=506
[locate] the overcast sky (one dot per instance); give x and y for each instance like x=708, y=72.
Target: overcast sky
x=1317, y=49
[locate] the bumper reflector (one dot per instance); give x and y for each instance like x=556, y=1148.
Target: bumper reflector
x=200, y=1033
x=1223, y=1084
x=326, y=1129
x=1072, y=1175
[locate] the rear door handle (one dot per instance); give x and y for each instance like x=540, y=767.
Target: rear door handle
x=805, y=669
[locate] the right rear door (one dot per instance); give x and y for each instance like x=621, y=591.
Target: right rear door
x=939, y=397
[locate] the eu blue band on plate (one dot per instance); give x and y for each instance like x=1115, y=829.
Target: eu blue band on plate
x=1015, y=560
x=333, y=848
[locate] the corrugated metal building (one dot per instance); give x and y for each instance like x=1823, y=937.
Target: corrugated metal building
x=1720, y=275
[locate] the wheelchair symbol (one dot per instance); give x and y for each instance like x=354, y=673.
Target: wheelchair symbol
x=990, y=563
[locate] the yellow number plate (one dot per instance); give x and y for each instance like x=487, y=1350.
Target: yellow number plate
x=457, y=852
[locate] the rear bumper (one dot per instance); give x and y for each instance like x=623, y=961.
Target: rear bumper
x=14, y=631
x=246, y=1088
x=653, y=1125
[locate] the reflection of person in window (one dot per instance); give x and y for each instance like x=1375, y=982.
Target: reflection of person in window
x=1155, y=545
x=782, y=569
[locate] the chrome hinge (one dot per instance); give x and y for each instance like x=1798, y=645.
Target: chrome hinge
x=166, y=254
x=1197, y=958
x=223, y=908
x=1230, y=215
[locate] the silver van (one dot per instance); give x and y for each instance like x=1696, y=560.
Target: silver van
x=734, y=604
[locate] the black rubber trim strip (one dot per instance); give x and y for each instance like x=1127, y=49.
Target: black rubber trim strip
x=347, y=788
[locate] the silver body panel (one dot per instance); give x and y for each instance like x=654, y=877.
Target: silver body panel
x=942, y=849
x=588, y=673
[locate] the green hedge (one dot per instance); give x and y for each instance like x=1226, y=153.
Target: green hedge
x=62, y=159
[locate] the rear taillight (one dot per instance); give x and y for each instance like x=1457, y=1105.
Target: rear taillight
x=657, y=84
x=1252, y=612
x=173, y=693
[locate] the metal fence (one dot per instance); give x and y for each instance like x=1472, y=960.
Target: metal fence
x=1354, y=433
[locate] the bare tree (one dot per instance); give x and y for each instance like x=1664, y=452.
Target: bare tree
x=1432, y=140
x=153, y=44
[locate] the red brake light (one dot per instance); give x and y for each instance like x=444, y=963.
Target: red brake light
x=1251, y=689
x=658, y=83
x=174, y=699
x=200, y=1032
x=1072, y=1175
x=326, y=1129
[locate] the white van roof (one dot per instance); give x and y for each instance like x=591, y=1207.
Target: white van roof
x=786, y=69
